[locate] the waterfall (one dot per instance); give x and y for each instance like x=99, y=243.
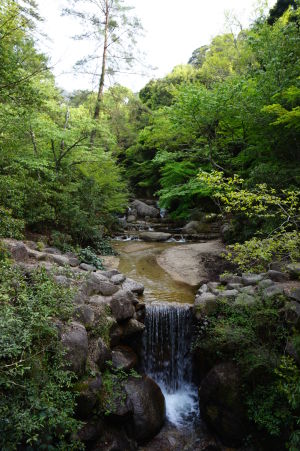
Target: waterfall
x=167, y=358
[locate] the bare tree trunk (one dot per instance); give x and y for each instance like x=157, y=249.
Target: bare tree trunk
x=103, y=72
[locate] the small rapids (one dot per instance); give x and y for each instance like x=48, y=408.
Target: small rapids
x=167, y=359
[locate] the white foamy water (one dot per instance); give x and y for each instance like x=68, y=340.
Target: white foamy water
x=182, y=406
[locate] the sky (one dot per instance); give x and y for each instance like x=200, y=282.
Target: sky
x=172, y=29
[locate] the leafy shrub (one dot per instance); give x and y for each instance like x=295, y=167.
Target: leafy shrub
x=61, y=240
x=37, y=403
x=257, y=254
x=88, y=256
x=9, y=226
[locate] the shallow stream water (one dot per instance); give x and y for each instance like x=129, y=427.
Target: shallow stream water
x=167, y=341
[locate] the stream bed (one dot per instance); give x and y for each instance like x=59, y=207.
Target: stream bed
x=166, y=353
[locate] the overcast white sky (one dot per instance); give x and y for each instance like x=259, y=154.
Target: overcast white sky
x=174, y=28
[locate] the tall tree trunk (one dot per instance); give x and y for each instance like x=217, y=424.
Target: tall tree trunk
x=103, y=72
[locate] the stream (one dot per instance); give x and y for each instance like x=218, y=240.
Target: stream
x=166, y=344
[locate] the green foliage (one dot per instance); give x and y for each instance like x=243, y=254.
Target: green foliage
x=88, y=256
x=9, y=226
x=37, y=403
x=113, y=393
x=256, y=255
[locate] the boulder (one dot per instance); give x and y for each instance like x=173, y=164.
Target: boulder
x=122, y=305
x=132, y=327
x=132, y=285
x=74, y=261
x=148, y=407
x=114, y=438
x=117, y=279
x=277, y=276
x=86, y=267
x=272, y=291
x=131, y=218
x=103, y=354
x=143, y=209
x=194, y=227
x=75, y=342
x=62, y=280
x=60, y=260
x=294, y=270
x=17, y=249
x=266, y=283
x=252, y=279
x=230, y=278
x=85, y=315
x=99, y=284
x=155, y=236
x=52, y=250
x=248, y=290
x=220, y=397
x=226, y=294
x=205, y=304
x=91, y=431
x=124, y=358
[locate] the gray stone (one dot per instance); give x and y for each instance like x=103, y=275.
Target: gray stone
x=39, y=256
x=109, y=273
x=252, y=279
x=248, y=290
x=79, y=298
x=132, y=285
x=203, y=289
x=148, y=407
x=228, y=294
x=73, y=261
x=60, y=260
x=277, y=276
x=205, y=304
x=85, y=315
x=86, y=267
x=75, y=342
x=100, y=301
x=118, y=279
x=122, y=305
x=133, y=327
x=272, y=291
x=234, y=286
x=103, y=354
x=195, y=227
x=230, y=278
x=62, y=280
x=131, y=218
x=143, y=209
x=155, y=236
x=213, y=285
x=124, y=358
x=294, y=270
x=99, y=284
x=266, y=283
x=17, y=249
x=52, y=250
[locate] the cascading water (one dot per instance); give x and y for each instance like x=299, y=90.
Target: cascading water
x=167, y=358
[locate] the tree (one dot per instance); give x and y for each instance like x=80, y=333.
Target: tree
x=279, y=9
x=109, y=24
